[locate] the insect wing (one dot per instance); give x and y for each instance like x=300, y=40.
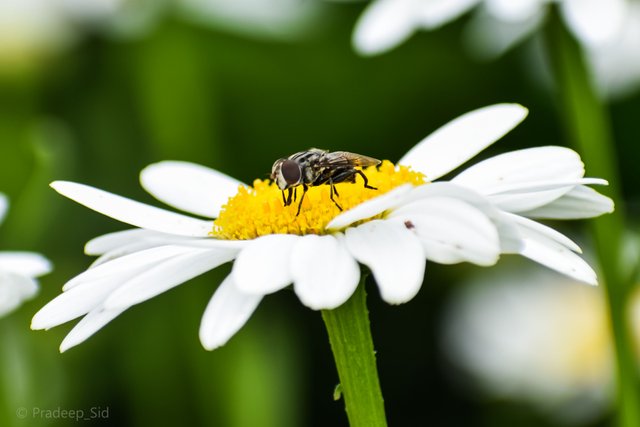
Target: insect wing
x=345, y=158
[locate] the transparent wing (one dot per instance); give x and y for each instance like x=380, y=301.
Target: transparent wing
x=345, y=158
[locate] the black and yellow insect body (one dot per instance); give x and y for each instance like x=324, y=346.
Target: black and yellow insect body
x=318, y=167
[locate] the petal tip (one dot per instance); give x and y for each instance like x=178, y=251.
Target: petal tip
x=210, y=344
x=612, y=206
x=592, y=281
x=38, y=323
x=519, y=111
x=56, y=185
x=151, y=169
x=64, y=187
x=517, y=106
x=396, y=298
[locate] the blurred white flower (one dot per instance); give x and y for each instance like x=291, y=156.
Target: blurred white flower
x=18, y=271
x=528, y=335
x=28, y=29
x=616, y=64
x=387, y=23
x=474, y=218
x=34, y=29
x=608, y=30
x=272, y=18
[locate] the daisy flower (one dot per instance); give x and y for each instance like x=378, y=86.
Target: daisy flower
x=616, y=64
x=33, y=29
x=410, y=218
x=260, y=18
x=498, y=24
x=496, y=325
x=18, y=271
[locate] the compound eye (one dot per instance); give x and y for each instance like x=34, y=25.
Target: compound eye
x=291, y=172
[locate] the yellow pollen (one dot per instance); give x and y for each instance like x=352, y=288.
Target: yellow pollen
x=259, y=210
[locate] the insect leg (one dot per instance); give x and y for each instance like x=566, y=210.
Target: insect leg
x=331, y=191
x=304, y=191
x=366, y=181
x=295, y=193
x=289, y=193
x=284, y=199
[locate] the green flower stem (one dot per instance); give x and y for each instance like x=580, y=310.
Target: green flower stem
x=352, y=346
x=588, y=126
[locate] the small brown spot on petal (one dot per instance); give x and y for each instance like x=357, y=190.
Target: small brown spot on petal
x=409, y=225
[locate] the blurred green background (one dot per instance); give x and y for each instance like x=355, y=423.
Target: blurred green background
x=235, y=98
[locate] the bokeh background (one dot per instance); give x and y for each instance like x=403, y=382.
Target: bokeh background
x=99, y=94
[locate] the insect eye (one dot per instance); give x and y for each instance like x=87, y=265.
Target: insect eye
x=291, y=172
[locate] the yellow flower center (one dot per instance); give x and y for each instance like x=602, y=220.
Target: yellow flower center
x=259, y=210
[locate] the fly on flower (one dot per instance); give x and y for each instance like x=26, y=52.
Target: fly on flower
x=319, y=167
x=486, y=210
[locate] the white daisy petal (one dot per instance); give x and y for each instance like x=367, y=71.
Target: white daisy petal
x=4, y=206
x=516, y=174
x=462, y=138
x=384, y=25
x=529, y=165
x=394, y=255
x=541, y=229
x=325, y=274
x=595, y=22
x=527, y=201
x=263, y=266
x=450, y=190
x=114, y=245
x=210, y=243
x=508, y=233
x=194, y=243
x=188, y=186
x=166, y=275
x=132, y=212
x=542, y=249
x=14, y=289
x=75, y=302
x=26, y=263
x=227, y=311
x=538, y=186
x=580, y=202
x=108, y=242
x=125, y=250
x=87, y=326
x=451, y=231
x=124, y=264
x=535, y=194
x=370, y=208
